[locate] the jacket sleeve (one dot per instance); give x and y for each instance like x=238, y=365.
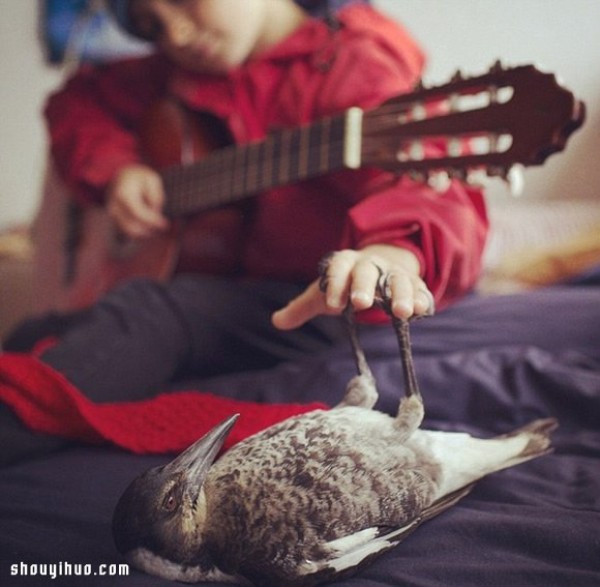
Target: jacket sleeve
x=447, y=231
x=92, y=121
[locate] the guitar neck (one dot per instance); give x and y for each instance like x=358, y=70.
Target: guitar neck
x=507, y=116
x=286, y=156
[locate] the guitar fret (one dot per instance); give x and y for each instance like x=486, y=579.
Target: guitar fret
x=304, y=150
x=252, y=168
x=335, y=143
x=206, y=181
x=314, y=148
x=267, y=170
x=220, y=170
x=324, y=145
x=238, y=161
x=209, y=178
x=284, y=158
x=294, y=156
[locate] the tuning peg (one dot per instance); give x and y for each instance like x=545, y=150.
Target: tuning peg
x=497, y=171
x=420, y=86
x=516, y=180
x=418, y=176
x=458, y=76
x=457, y=173
x=496, y=67
x=440, y=181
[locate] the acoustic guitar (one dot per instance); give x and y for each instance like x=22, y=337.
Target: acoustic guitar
x=506, y=116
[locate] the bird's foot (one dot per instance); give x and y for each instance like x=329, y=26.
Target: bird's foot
x=411, y=410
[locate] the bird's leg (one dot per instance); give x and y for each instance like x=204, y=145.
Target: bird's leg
x=361, y=390
x=411, y=410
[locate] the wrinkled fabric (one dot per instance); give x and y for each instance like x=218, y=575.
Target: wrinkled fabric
x=486, y=366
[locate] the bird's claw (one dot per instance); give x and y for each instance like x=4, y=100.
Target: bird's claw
x=383, y=297
x=383, y=292
x=323, y=268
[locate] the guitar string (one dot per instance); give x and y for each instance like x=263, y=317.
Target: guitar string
x=233, y=171
x=222, y=183
x=219, y=186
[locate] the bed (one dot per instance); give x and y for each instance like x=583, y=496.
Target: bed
x=486, y=365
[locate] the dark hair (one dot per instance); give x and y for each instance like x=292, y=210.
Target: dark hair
x=120, y=9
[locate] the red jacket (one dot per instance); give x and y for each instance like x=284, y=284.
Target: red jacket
x=314, y=73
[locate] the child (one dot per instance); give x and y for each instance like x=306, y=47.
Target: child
x=255, y=65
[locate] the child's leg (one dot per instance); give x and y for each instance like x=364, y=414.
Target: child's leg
x=125, y=347
x=230, y=325
x=143, y=335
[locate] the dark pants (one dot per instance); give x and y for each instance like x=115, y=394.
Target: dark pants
x=144, y=335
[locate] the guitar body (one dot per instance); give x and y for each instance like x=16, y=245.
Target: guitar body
x=79, y=253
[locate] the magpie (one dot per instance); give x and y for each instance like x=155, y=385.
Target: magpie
x=315, y=497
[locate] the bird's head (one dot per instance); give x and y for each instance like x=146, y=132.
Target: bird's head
x=159, y=520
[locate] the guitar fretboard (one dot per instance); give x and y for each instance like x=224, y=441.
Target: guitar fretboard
x=236, y=172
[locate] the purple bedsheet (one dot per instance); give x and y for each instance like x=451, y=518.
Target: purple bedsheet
x=487, y=365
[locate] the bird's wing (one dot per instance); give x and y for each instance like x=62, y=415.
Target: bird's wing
x=350, y=553
x=445, y=502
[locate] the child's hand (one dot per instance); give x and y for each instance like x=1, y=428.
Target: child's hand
x=134, y=200
x=352, y=277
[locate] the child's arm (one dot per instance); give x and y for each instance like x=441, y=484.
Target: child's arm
x=93, y=122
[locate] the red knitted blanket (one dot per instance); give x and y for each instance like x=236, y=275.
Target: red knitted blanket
x=46, y=402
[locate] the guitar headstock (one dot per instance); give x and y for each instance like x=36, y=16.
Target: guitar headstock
x=489, y=122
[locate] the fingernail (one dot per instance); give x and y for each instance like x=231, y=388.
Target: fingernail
x=360, y=297
x=334, y=302
x=403, y=309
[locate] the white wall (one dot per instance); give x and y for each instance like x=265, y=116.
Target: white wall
x=561, y=35
x=24, y=82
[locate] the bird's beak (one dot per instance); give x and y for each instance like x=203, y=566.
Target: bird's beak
x=196, y=460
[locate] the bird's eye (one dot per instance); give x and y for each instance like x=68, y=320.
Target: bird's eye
x=170, y=503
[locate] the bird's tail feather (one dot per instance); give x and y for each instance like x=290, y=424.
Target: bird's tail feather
x=466, y=458
x=538, y=436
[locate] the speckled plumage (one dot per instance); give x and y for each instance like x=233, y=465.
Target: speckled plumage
x=312, y=498
x=312, y=480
